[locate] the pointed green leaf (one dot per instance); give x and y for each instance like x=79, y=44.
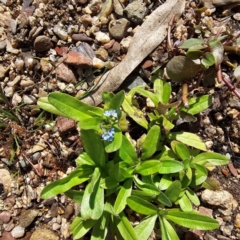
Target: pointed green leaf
x=148, y=167
x=170, y=230
x=165, y=182
x=191, y=220
x=127, y=152
x=199, y=175
x=163, y=199
x=167, y=90
x=158, y=88
x=151, y=142
x=144, y=229
x=84, y=159
x=191, y=42
x=90, y=123
x=108, y=182
x=75, y=195
x=72, y=107
x=147, y=94
x=122, y=196
x=141, y=206
x=80, y=227
x=189, y=139
x=211, y=157
x=185, y=204
x=192, y=196
x=125, y=228
x=164, y=234
x=116, y=101
x=60, y=186
x=182, y=151
x=93, y=145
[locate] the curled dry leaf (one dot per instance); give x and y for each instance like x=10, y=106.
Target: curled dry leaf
x=151, y=33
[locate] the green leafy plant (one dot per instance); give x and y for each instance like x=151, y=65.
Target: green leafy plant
x=155, y=175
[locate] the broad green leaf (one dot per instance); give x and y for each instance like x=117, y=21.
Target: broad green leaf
x=125, y=228
x=80, y=227
x=189, y=139
x=75, y=195
x=122, y=196
x=144, y=229
x=141, y=206
x=165, y=182
x=191, y=42
x=173, y=191
x=194, y=54
x=119, y=173
x=144, y=195
x=47, y=106
x=73, y=179
x=94, y=147
x=126, y=152
x=170, y=230
x=167, y=90
x=170, y=166
x=182, y=151
x=147, y=94
x=90, y=123
x=93, y=200
x=186, y=177
x=185, y=204
x=163, y=199
x=198, y=104
x=192, y=196
x=135, y=114
x=100, y=229
x=148, y=167
x=72, y=107
x=151, y=142
x=84, y=159
x=116, y=143
x=94, y=179
x=191, y=220
x=145, y=187
x=211, y=157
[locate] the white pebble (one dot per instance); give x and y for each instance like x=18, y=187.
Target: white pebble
x=18, y=232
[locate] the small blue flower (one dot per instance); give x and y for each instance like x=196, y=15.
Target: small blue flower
x=111, y=113
x=108, y=135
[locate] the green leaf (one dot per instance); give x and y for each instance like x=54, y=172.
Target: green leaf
x=151, y=142
x=80, y=227
x=191, y=42
x=186, y=177
x=211, y=157
x=191, y=220
x=163, y=199
x=135, y=114
x=90, y=123
x=192, y=196
x=198, y=104
x=185, y=204
x=74, y=178
x=116, y=101
x=194, y=54
x=147, y=94
x=47, y=106
x=116, y=143
x=141, y=206
x=144, y=229
x=170, y=230
x=75, y=195
x=158, y=88
x=72, y=107
x=208, y=60
x=181, y=150
x=164, y=234
x=125, y=227
x=199, y=176
x=84, y=159
x=108, y=183
x=189, y=139
x=119, y=173
x=167, y=90
x=148, y=167
x=127, y=152
x=122, y=196
x=93, y=145
x=165, y=182
x=93, y=199
x=100, y=229
x=173, y=191
x=170, y=166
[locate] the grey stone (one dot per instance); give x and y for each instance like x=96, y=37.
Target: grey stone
x=118, y=28
x=135, y=11
x=27, y=217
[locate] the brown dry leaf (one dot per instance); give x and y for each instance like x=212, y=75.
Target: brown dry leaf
x=151, y=33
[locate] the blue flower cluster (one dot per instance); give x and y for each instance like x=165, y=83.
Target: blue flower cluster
x=110, y=118
x=111, y=114
x=108, y=135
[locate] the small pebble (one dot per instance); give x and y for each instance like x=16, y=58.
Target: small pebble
x=18, y=232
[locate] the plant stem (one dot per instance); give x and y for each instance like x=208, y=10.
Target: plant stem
x=232, y=49
x=169, y=42
x=185, y=95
